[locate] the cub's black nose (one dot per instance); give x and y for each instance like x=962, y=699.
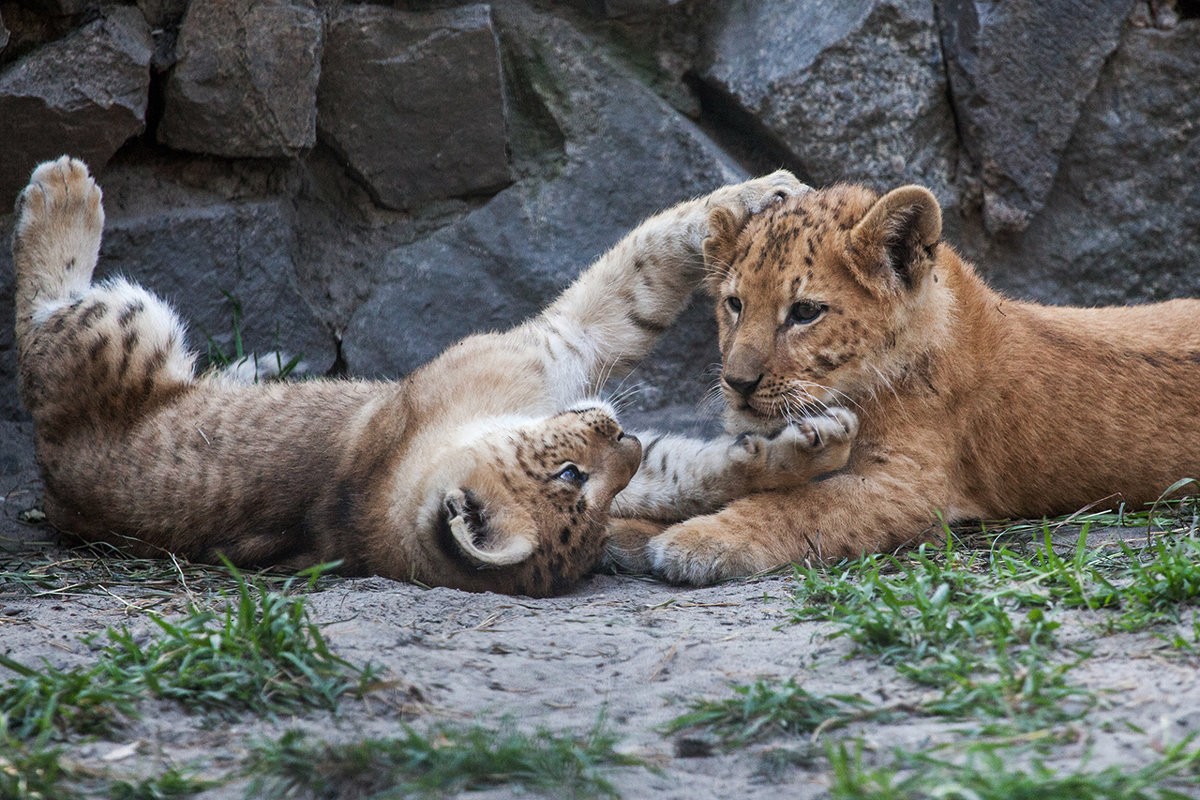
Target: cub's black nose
x=743, y=387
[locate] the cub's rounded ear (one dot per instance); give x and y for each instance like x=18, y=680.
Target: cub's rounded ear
x=893, y=244
x=720, y=246
x=489, y=540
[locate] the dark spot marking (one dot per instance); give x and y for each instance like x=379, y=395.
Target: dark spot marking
x=130, y=312
x=565, y=536
x=98, y=347
x=648, y=325
x=93, y=313
x=156, y=361
x=829, y=362
x=646, y=450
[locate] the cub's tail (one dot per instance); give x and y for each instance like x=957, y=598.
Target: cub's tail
x=85, y=350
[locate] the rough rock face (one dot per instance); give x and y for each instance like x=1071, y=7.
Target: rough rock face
x=855, y=90
x=84, y=94
x=3, y=34
x=245, y=79
x=630, y=156
x=1020, y=73
x=1122, y=221
x=204, y=258
x=61, y=8
x=468, y=160
x=412, y=102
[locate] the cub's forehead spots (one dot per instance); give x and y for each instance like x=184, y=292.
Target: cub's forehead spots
x=797, y=240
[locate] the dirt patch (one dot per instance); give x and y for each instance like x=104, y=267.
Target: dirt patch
x=621, y=649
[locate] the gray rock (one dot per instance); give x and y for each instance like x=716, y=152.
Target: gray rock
x=636, y=8
x=413, y=102
x=191, y=255
x=628, y=155
x=3, y=34
x=10, y=404
x=1019, y=74
x=855, y=90
x=85, y=95
x=245, y=79
x=60, y=8
x=1122, y=221
x=20, y=489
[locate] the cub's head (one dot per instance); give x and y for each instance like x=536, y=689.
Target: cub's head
x=521, y=507
x=820, y=299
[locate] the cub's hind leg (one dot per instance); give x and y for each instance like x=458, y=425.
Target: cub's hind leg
x=57, y=239
x=89, y=354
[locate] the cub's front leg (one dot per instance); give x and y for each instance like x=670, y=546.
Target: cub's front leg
x=610, y=317
x=681, y=477
x=842, y=516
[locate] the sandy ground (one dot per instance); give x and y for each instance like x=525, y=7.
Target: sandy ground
x=629, y=649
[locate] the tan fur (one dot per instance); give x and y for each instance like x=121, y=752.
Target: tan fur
x=488, y=469
x=972, y=405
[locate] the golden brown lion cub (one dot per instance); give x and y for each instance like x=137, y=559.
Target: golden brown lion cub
x=971, y=404
x=488, y=468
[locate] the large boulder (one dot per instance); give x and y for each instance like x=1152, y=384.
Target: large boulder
x=205, y=257
x=1122, y=220
x=627, y=154
x=855, y=90
x=85, y=94
x=413, y=102
x=245, y=78
x=1020, y=72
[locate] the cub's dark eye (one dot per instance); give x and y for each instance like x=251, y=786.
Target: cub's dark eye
x=804, y=312
x=734, y=304
x=572, y=474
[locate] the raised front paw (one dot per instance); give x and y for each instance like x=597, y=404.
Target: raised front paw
x=705, y=550
x=753, y=196
x=797, y=453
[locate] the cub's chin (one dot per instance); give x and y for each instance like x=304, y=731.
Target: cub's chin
x=744, y=419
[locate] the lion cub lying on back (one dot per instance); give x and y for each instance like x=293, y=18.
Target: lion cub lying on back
x=971, y=405
x=488, y=468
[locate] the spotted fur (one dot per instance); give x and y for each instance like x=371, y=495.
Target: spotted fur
x=487, y=469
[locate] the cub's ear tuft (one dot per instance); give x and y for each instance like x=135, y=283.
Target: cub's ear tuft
x=488, y=540
x=720, y=246
x=893, y=243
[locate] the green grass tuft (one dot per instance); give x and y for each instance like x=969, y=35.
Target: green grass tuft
x=171, y=784
x=31, y=773
x=217, y=358
x=942, y=621
x=765, y=709
x=988, y=774
x=262, y=654
x=443, y=761
x=90, y=700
